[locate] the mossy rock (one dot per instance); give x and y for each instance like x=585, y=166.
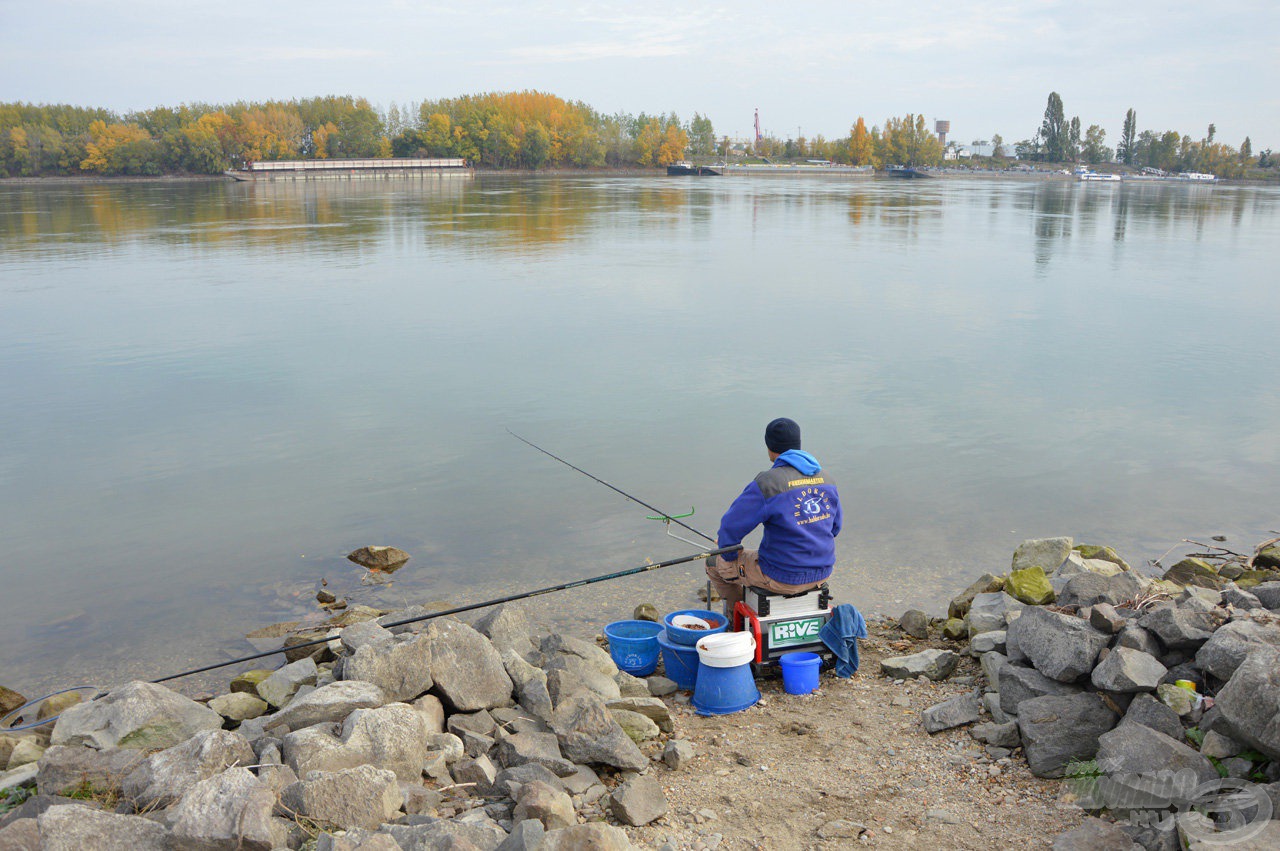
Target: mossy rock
x=1250, y=578
x=1030, y=586
x=1194, y=571
x=1268, y=558
x=57, y=704
x=1093, y=551
x=646, y=612
x=986, y=584
x=248, y=681
x=955, y=629
x=1231, y=571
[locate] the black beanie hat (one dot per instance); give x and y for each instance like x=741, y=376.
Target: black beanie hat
x=782, y=434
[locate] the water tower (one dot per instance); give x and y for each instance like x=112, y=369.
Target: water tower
x=942, y=128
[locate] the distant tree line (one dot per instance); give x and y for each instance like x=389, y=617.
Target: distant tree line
x=1060, y=141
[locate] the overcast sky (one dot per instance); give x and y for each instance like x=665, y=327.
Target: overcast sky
x=988, y=67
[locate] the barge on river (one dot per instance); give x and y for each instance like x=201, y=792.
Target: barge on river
x=353, y=169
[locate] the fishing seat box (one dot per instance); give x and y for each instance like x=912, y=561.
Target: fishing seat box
x=784, y=623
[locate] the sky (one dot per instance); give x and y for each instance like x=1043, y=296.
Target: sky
x=987, y=67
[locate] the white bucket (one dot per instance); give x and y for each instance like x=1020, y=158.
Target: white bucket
x=726, y=649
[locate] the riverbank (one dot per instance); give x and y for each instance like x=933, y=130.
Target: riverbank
x=955, y=731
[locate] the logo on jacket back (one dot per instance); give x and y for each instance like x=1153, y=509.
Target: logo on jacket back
x=811, y=505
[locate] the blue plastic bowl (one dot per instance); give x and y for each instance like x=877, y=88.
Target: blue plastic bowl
x=800, y=671
x=680, y=662
x=680, y=635
x=633, y=646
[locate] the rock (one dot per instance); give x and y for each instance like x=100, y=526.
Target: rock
x=637, y=727
x=1227, y=648
x=991, y=703
x=1094, y=834
x=468, y=670
x=588, y=734
x=365, y=633
x=1149, y=712
x=25, y=752
x=570, y=675
x=650, y=707
x=530, y=684
x=517, y=749
x=991, y=612
x=955, y=629
x=629, y=686
x=1089, y=589
x=525, y=835
x=1048, y=554
x=1138, y=763
x=139, y=715
x=480, y=772
x=403, y=669
x=20, y=834
x=1268, y=558
x=963, y=709
x=1001, y=735
x=595, y=836
x=163, y=778
x=565, y=645
x=1218, y=746
x=1240, y=599
x=1178, y=699
x=929, y=664
x=418, y=800
x=638, y=801
x=283, y=684
x=988, y=642
x=394, y=737
x=509, y=780
x=72, y=827
x=914, y=623
x=1093, y=552
x=993, y=663
x=985, y=584
x=1061, y=647
x=544, y=802
x=1250, y=701
x=508, y=628
x=448, y=744
x=646, y=612
x=333, y=702
x=247, y=683
x=1203, y=598
x=382, y=558
x=1104, y=618
x=228, y=811
x=57, y=704
x=1268, y=594
x=448, y=834
x=661, y=686
x=1128, y=671
x=65, y=769
x=1029, y=585
x=1194, y=571
x=1059, y=729
x=301, y=646
x=363, y=796
x=1018, y=684
x=677, y=754
x=238, y=706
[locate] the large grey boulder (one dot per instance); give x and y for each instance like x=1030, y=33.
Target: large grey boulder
x=638, y=801
x=595, y=836
x=467, y=669
x=143, y=716
x=530, y=684
x=394, y=737
x=1046, y=553
x=568, y=674
x=362, y=796
x=985, y=584
x=509, y=780
x=284, y=683
x=1061, y=647
x=1177, y=628
x=1018, y=684
x=332, y=702
x=231, y=811
x=1058, y=729
x=64, y=769
x=1088, y=589
x=163, y=778
x=928, y=664
x=402, y=669
x=507, y=628
x=1138, y=763
x=992, y=611
x=515, y=749
x=1268, y=593
x=546, y=803
x=1226, y=649
x=358, y=635
x=525, y=835
x=1002, y=735
x=954, y=712
x=558, y=644
x=22, y=834
x=993, y=663
x=1094, y=834
x=239, y=706
x=72, y=827
x=447, y=833
x=1149, y=712
x=1250, y=701
x=1128, y=671
x=588, y=734
x=357, y=839
x=655, y=709
x=1137, y=638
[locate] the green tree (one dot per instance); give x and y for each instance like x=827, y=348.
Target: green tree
x=702, y=135
x=535, y=147
x=1073, y=140
x=997, y=146
x=1054, y=132
x=1125, y=150
x=1095, y=149
x=1246, y=150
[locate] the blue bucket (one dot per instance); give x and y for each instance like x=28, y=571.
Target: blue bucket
x=800, y=672
x=721, y=691
x=680, y=635
x=633, y=645
x=680, y=662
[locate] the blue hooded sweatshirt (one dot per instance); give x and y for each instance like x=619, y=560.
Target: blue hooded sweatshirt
x=800, y=509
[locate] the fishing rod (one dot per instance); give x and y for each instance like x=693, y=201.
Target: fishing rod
x=663, y=516
x=564, y=586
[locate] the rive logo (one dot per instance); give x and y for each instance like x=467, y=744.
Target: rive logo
x=794, y=632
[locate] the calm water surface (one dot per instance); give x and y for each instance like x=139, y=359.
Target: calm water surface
x=211, y=392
